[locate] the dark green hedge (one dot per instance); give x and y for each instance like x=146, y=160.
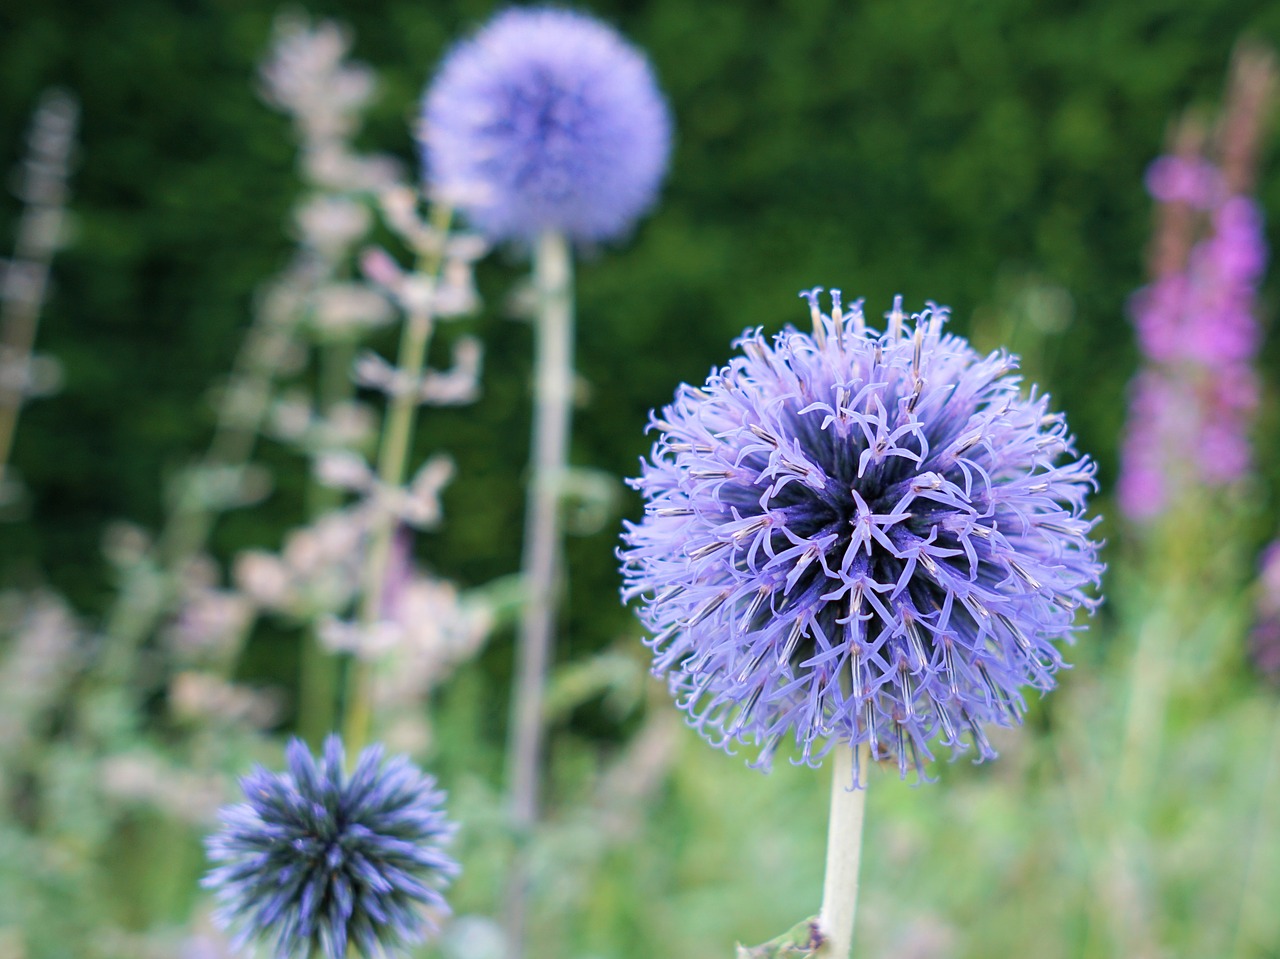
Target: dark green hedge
x=921, y=146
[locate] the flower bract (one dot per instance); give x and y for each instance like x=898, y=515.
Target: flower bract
x=858, y=536
x=314, y=860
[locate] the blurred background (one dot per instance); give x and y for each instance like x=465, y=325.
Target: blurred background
x=989, y=156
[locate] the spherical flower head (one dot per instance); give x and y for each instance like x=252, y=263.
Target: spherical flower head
x=853, y=536
x=546, y=120
x=314, y=860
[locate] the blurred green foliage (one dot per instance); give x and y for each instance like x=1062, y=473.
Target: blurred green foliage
x=920, y=146
x=985, y=155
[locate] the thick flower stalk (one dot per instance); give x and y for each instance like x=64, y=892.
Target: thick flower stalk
x=860, y=537
x=314, y=861
x=547, y=129
x=546, y=120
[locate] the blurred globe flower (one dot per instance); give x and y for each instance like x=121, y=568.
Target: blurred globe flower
x=860, y=537
x=315, y=860
x=546, y=120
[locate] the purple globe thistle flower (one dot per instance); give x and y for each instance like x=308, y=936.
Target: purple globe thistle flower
x=546, y=120
x=860, y=537
x=315, y=860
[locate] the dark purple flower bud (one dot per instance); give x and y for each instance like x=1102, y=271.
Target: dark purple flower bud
x=315, y=860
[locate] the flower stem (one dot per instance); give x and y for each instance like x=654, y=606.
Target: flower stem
x=393, y=453
x=26, y=280
x=319, y=674
x=150, y=590
x=844, y=852
x=553, y=276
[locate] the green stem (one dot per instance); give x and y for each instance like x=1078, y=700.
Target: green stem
x=553, y=276
x=318, y=682
x=150, y=591
x=844, y=853
x=393, y=453
x=1254, y=914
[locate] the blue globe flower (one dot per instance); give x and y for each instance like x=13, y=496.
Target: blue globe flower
x=546, y=120
x=313, y=860
x=853, y=536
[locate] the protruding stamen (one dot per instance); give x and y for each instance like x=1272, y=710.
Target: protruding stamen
x=757, y=601
x=966, y=442
x=707, y=549
x=855, y=671
x=708, y=608
x=869, y=720
x=1021, y=572
x=908, y=690
x=980, y=740
x=744, y=712
x=671, y=511
x=917, y=390
x=900, y=736
x=689, y=448
x=914, y=639
x=750, y=529
x=895, y=317
x=998, y=694
x=949, y=659
x=815, y=313
x=763, y=434
x=1019, y=636
x=981, y=615
x=755, y=663
x=667, y=595
x=947, y=723
x=793, y=640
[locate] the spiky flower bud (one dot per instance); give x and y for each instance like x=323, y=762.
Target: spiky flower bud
x=314, y=860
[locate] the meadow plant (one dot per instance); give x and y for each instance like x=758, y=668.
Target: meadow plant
x=1193, y=403
x=24, y=277
x=862, y=541
x=78, y=773
x=314, y=861
x=1187, y=459
x=550, y=129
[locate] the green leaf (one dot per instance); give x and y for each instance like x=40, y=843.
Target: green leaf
x=800, y=941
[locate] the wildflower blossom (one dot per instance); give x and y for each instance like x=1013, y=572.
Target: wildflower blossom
x=1194, y=401
x=315, y=860
x=860, y=537
x=546, y=120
